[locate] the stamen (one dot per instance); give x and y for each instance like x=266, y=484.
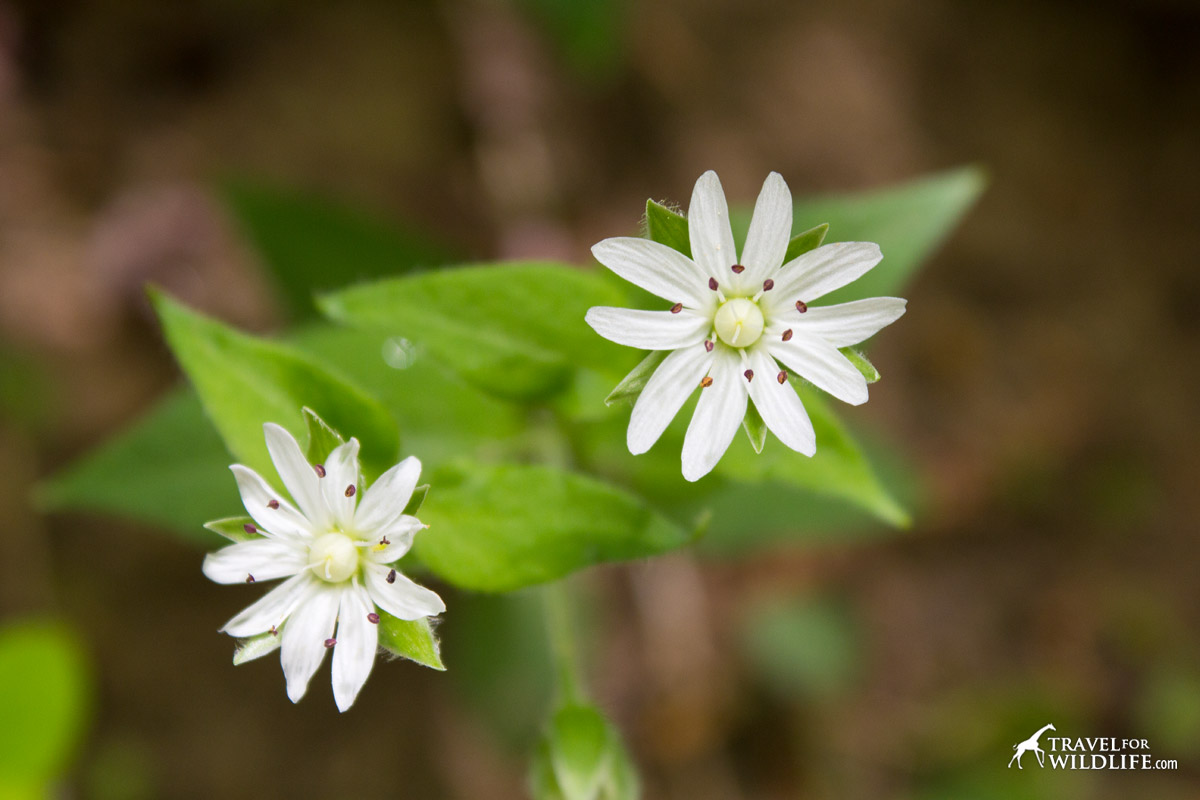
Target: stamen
x=373, y=618
x=749, y=375
x=330, y=642
x=320, y=470
x=248, y=528
x=782, y=377
x=801, y=306
x=768, y=285
x=675, y=309
x=738, y=269
x=384, y=541
x=708, y=345
x=272, y=503
x=787, y=335
x=712, y=284
x=249, y=579
x=350, y=490
x=707, y=382
x=391, y=578
x=274, y=631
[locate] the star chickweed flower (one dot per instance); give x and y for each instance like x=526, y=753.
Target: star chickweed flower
x=336, y=554
x=737, y=326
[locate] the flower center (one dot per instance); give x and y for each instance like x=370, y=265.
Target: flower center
x=333, y=557
x=739, y=322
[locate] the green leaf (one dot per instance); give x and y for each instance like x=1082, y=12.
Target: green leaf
x=801, y=243
x=582, y=757
x=170, y=468
x=417, y=500
x=515, y=330
x=45, y=697
x=839, y=467
x=860, y=362
x=322, y=439
x=627, y=391
x=500, y=527
x=668, y=227
x=413, y=639
x=907, y=221
x=258, y=646
x=313, y=244
x=755, y=427
x=235, y=529
x=244, y=381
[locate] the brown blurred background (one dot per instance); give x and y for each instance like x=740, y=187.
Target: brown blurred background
x=1044, y=380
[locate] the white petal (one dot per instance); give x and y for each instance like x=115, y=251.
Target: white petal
x=770, y=229
x=709, y=231
x=844, y=324
x=400, y=535
x=387, y=497
x=664, y=394
x=401, y=598
x=779, y=405
x=719, y=414
x=309, y=625
x=283, y=520
x=658, y=269
x=273, y=608
x=818, y=272
x=649, y=330
x=297, y=474
x=820, y=363
x=265, y=559
x=341, y=471
x=357, y=639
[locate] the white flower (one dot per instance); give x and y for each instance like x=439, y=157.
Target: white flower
x=734, y=322
x=335, y=553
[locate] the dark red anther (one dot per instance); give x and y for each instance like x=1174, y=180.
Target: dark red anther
x=782, y=377
x=384, y=541
x=768, y=285
x=249, y=579
x=391, y=578
x=801, y=306
x=330, y=642
x=708, y=345
x=320, y=468
x=350, y=490
x=707, y=382
x=738, y=269
x=712, y=284
x=274, y=631
x=248, y=528
x=749, y=375
x=373, y=618
x=675, y=309
x=787, y=335
x=272, y=503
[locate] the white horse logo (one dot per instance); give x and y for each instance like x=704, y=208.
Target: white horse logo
x=1030, y=744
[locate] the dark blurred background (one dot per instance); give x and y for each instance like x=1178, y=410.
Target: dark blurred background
x=1044, y=381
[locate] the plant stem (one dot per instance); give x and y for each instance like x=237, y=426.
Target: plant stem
x=557, y=600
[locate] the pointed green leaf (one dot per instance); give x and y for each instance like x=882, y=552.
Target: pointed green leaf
x=322, y=439
x=500, y=527
x=257, y=646
x=515, y=330
x=581, y=757
x=313, y=244
x=627, y=391
x=756, y=429
x=411, y=639
x=417, y=500
x=244, y=381
x=801, y=243
x=667, y=227
x=860, y=362
x=235, y=529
